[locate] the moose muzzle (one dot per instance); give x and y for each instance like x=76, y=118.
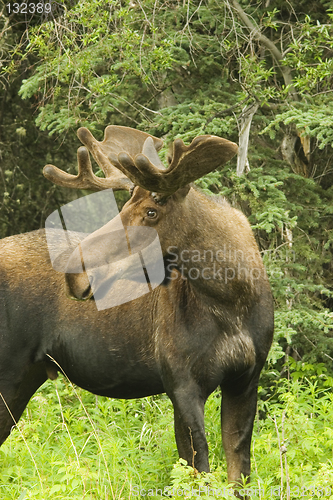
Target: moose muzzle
x=115, y=265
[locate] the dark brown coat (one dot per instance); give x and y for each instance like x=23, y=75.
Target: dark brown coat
x=200, y=329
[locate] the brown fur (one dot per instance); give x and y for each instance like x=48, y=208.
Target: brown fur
x=185, y=338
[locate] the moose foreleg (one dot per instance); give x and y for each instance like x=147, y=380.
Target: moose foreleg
x=15, y=395
x=190, y=428
x=238, y=410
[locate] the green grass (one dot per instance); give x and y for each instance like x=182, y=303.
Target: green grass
x=70, y=444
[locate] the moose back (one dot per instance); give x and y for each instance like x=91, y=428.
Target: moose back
x=208, y=324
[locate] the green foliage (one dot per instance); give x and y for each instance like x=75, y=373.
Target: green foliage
x=315, y=122
x=102, y=58
x=188, y=483
x=72, y=444
x=93, y=446
x=182, y=69
x=309, y=57
x=26, y=197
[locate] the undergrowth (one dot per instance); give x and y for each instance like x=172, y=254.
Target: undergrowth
x=70, y=444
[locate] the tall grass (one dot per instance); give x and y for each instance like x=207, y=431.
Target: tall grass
x=71, y=444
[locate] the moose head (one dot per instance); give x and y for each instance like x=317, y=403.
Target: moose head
x=161, y=197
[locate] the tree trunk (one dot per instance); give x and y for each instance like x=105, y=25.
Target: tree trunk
x=245, y=126
x=299, y=157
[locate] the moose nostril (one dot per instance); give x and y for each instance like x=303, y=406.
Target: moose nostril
x=78, y=286
x=87, y=294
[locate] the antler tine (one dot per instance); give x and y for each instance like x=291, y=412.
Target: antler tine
x=118, y=139
x=86, y=179
x=189, y=163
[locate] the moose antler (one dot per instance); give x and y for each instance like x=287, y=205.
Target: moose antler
x=144, y=167
x=134, y=153
x=116, y=140
x=204, y=154
x=86, y=179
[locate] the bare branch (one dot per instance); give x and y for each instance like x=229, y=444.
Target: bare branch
x=260, y=37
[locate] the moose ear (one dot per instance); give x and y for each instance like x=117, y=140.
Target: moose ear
x=182, y=192
x=161, y=199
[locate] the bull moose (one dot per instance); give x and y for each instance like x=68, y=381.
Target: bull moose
x=187, y=336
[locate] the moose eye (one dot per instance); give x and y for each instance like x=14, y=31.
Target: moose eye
x=151, y=213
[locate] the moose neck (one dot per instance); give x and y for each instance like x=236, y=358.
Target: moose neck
x=216, y=252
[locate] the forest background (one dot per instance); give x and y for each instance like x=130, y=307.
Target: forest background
x=258, y=73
